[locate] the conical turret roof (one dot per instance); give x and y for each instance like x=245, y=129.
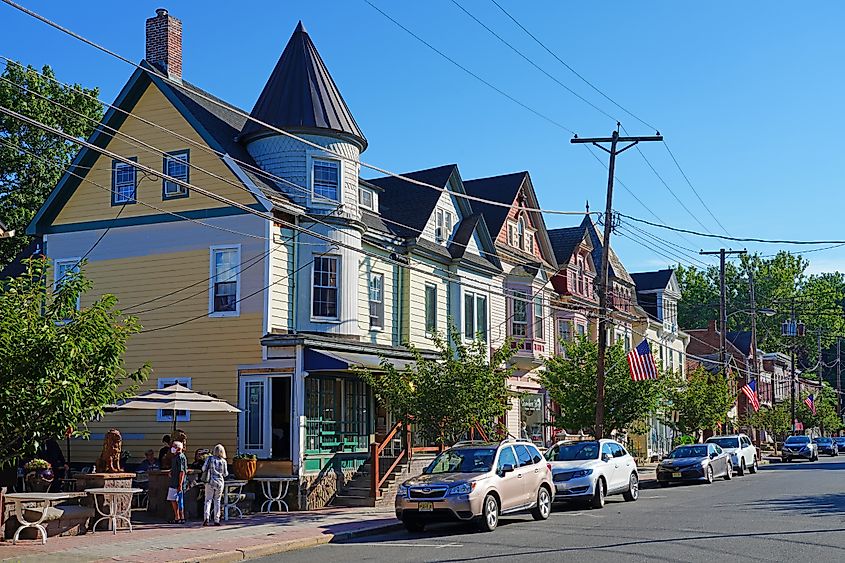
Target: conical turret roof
x=300, y=93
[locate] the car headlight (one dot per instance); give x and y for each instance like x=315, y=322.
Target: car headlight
x=582, y=473
x=462, y=489
x=402, y=491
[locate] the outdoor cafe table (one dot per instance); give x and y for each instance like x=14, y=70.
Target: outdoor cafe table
x=281, y=492
x=40, y=500
x=232, y=495
x=110, y=496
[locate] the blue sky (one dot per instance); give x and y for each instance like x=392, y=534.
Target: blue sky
x=746, y=94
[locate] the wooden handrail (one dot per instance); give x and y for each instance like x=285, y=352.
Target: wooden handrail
x=376, y=449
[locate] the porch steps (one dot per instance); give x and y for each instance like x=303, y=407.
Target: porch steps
x=356, y=492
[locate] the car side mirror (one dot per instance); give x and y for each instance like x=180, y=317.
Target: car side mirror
x=713, y=455
x=605, y=457
x=506, y=468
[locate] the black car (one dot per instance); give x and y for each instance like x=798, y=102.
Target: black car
x=695, y=462
x=827, y=446
x=840, y=442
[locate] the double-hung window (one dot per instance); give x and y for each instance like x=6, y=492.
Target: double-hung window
x=444, y=220
x=175, y=164
x=376, y=298
x=326, y=179
x=430, y=308
x=225, y=280
x=124, y=182
x=63, y=270
x=366, y=198
x=539, y=317
x=324, y=293
x=564, y=329
x=519, y=315
x=475, y=316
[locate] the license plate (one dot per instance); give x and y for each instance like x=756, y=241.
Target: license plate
x=425, y=506
x=676, y=475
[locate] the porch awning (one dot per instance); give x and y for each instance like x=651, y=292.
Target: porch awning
x=323, y=360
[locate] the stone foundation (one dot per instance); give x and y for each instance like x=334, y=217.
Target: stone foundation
x=318, y=489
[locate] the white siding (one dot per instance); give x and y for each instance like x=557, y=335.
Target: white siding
x=281, y=286
x=388, y=334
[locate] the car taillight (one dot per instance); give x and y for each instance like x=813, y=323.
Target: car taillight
x=549, y=467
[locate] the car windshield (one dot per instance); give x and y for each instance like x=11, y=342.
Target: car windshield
x=463, y=460
x=798, y=440
x=689, y=451
x=577, y=451
x=823, y=440
x=840, y=440
x=725, y=442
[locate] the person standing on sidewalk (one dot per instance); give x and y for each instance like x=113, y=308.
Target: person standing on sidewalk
x=214, y=471
x=176, y=491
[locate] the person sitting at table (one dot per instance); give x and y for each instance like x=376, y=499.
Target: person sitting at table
x=150, y=462
x=162, y=453
x=199, y=458
x=176, y=491
x=214, y=471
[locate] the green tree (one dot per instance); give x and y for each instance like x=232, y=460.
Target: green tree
x=32, y=161
x=825, y=418
x=702, y=400
x=571, y=382
x=776, y=421
x=59, y=365
x=450, y=394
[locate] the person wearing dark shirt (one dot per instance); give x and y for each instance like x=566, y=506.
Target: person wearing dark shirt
x=164, y=450
x=176, y=491
x=150, y=462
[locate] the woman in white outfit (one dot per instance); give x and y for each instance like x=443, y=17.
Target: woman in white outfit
x=215, y=467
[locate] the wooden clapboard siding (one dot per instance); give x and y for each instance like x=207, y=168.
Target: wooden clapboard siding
x=367, y=265
x=92, y=203
x=281, y=288
x=426, y=273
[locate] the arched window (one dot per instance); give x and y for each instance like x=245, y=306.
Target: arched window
x=520, y=233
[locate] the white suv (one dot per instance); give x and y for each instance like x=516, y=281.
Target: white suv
x=591, y=470
x=742, y=451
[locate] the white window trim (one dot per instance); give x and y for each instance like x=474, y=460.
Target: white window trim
x=443, y=212
x=475, y=295
x=313, y=155
x=374, y=206
x=164, y=382
x=336, y=319
x=375, y=328
x=425, y=308
x=211, y=276
x=529, y=310
x=75, y=261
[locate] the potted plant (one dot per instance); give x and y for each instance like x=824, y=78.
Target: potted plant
x=244, y=466
x=39, y=475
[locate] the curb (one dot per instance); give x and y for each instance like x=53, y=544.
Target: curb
x=286, y=545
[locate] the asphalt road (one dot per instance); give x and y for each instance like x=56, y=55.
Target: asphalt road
x=787, y=512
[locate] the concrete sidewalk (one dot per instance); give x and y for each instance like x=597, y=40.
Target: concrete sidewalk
x=240, y=538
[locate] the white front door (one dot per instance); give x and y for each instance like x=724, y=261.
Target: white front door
x=254, y=430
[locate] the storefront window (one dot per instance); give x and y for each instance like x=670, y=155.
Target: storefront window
x=533, y=417
x=337, y=414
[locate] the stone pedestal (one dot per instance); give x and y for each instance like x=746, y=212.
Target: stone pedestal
x=157, y=494
x=101, y=480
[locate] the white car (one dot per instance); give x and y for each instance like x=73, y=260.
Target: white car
x=742, y=451
x=592, y=470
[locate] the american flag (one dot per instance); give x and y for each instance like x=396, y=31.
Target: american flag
x=750, y=391
x=811, y=404
x=641, y=363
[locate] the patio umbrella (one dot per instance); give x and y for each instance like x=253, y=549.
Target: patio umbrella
x=176, y=398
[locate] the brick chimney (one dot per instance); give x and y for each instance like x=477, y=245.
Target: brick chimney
x=164, y=44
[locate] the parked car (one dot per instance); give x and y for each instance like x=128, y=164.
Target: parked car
x=840, y=442
x=826, y=446
x=743, y=453
x=799, y=447
x=592, y=470
x=695, y=462
x=478, y=481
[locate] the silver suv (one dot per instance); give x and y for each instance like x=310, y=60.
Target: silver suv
x=478, y=481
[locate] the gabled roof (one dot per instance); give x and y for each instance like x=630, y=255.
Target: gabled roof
x=502, y=189
x=216, y=125
x=409, y=204
x=565, y=241
x=740, y=339
x=301, y=94
x=615, y=269
x=649, y=281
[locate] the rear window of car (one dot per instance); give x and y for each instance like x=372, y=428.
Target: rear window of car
x=724, y=442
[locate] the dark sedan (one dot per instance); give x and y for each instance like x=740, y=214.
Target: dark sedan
x=827, y=446
x=695, y=462
x=840, y=443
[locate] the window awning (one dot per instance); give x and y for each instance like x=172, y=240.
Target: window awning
x=323, y=360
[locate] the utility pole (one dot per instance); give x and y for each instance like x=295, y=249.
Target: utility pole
x=838, y=377
x=613, y=151
x=754, y=332
x=793, y=330
x=723, y=311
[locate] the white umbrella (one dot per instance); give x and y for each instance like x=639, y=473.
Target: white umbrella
x=176, y=398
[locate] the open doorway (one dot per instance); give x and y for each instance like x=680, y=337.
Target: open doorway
x=280, y=423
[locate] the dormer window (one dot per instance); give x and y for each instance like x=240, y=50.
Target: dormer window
x=444, y=221
x=520, y=233
x=326, y=179
x=366, y=198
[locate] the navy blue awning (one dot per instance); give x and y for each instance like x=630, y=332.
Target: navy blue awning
x=324, y=360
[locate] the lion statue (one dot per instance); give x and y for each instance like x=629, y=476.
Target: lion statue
x=109, y=460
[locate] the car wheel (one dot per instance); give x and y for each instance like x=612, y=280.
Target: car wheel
x=729, y=472
x=741, y=470
x=489, y=514
x=599, y=495
x=633, y=492
x=786, y=459
x=544, y=505
x=753, y=468
x=413, y=524
x=708, y=474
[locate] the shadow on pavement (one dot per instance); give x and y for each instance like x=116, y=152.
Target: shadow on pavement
x=804, y=465
x=812, y=505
